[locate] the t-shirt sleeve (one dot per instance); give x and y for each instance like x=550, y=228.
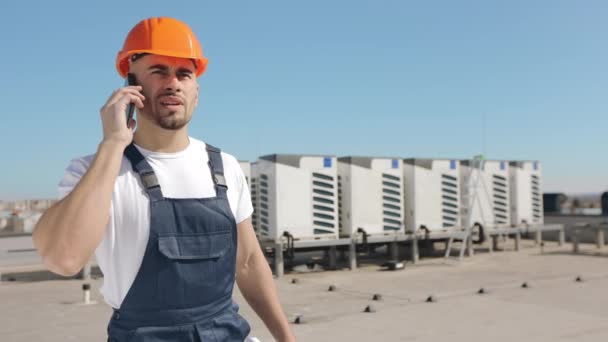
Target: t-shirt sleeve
x=244, y=207
x=72, y=175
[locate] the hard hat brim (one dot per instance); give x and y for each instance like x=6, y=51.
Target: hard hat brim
x=122, y=64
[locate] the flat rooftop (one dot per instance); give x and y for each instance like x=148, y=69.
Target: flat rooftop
x=554, y=307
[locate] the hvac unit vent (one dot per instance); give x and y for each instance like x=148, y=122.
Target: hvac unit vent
x=254, y=202
x=298, y=194
x=536, y=199
x=340, y=202
x=432, y=194
x=392, y=197
x=500, y=189
x=525, y=192
x=370, y=190
x=449, y=201
x=264, y=222
x=323, y=195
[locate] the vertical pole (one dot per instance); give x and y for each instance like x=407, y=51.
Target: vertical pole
x=393, y=251
x=279, y=265
x=415, y=254
x=562, y=236
x=599, y=240
x=333, y=252
x=352, y=254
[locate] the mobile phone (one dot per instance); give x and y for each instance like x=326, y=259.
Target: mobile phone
x=130, y=81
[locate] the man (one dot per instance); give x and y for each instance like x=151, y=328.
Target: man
x=163, y=212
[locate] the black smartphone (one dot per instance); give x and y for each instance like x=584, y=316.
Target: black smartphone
x=130, y=81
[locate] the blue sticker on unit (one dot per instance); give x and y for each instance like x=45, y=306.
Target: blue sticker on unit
x=502, y=165
x=535, y=166
x=327, y=162
x=453, y=164
x=395, y=163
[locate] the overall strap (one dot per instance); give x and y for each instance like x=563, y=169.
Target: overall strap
x=145, y=171
x=216, y=166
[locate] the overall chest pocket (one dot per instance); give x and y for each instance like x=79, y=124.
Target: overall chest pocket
x=186, y=333
x=195, y=246
x=194, y=269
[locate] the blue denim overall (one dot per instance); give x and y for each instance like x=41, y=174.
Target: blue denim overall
x=183, y=289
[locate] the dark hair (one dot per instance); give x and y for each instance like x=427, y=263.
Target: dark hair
x=137, y=56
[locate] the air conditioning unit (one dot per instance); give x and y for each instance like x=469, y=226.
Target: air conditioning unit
x=491, y=207
x=254, y=188
x=298, y=194
x=526, y=194
x=432, y=194
x=370, y=194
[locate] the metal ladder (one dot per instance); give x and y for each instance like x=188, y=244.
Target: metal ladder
x=469, y=198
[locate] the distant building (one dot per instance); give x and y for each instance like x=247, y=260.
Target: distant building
x=23, y=222
x=554, y=203
x=26, y=205
x=17, y=221
x=3, y=223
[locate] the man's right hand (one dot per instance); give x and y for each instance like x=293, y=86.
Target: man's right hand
x=68, y=233
x=115, y=128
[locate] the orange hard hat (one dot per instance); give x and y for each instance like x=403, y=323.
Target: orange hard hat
x=161, y=36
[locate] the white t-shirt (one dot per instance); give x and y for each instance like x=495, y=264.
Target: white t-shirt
x=184, y=174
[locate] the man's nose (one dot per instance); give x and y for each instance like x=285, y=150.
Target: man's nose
x=173, y=83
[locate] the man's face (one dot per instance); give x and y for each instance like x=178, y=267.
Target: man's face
x=170, y=87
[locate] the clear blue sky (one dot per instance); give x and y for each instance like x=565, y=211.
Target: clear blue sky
x=378, y=78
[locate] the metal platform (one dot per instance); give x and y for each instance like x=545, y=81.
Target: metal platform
x=496, y=233
x=598, y=229
x=392, y=241
x=539, y=229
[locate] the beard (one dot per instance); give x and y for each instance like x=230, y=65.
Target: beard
x=170, y=122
